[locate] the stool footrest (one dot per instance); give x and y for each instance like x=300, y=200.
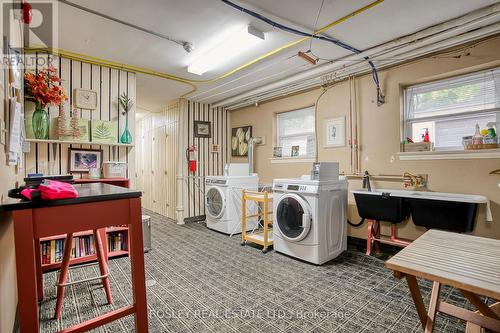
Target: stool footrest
x=84, y=280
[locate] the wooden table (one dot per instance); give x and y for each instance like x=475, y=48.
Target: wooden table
x=469, y=263
x=98, y=206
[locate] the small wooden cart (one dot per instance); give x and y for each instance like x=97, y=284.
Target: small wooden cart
x=264, y=236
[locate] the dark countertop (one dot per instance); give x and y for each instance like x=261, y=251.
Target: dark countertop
x=86, y=193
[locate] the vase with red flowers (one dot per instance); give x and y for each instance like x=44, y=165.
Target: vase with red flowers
x=44, y=89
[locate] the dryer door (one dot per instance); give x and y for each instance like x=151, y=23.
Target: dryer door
x=293, y=217
x=215, y=202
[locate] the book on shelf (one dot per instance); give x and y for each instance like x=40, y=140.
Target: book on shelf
x=117, y=241
x=52, y=251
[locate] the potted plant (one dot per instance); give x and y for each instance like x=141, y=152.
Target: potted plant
x=126, y=103
x=44, y=89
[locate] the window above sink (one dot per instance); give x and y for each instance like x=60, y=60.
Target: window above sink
x=449, y=110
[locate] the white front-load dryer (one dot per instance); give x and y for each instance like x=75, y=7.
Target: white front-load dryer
x=310, y=218
x=223, y=195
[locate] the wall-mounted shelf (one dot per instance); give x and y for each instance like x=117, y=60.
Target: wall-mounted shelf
x=449, y=155
x=80, y=142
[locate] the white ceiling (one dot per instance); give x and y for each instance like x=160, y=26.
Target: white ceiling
x=202, y=21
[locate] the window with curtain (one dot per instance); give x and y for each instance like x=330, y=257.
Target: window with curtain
x=450, y=109
x=297, y=128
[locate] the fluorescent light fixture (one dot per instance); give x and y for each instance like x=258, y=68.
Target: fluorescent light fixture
x=233, y=45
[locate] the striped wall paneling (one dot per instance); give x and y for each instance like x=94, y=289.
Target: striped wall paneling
x=209, y=163
x=48, y=158
x=164, y=138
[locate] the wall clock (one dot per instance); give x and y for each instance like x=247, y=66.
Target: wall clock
x=85, y=99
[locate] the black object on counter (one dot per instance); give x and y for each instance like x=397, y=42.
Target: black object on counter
x=35, y=181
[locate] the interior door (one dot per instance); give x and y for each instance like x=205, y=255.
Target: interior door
x=293, y=215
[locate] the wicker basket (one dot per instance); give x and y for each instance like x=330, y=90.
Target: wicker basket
x=482, y=146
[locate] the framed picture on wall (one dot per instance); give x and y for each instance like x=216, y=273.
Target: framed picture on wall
x=202, y=129
x=240, y=136
x=81, y=160
x=334, y=132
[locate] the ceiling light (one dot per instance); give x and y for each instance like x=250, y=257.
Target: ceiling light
x=234, y=44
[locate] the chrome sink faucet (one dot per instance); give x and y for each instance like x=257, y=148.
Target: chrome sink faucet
x=366, y=181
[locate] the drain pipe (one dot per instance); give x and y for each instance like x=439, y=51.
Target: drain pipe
x=251, y=146
x=468, y=21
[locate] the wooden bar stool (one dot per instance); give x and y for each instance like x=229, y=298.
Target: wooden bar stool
x=63, y=275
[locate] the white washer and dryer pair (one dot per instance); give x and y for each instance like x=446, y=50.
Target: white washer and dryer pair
x=310, y=217
x=223, y=199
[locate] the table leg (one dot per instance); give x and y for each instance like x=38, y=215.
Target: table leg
x=476, y=301
x=433, y=305
x=369, y=237
x=63, y=274
x=417, y=299
x=103, y=264
x=26, y=271
x=137, y=267
x=474, y=328
x=376, y=244
x=39, y=275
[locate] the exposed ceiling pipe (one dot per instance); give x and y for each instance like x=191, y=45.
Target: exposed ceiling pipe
x=188, y=46
x=463, y=23
x=362, y=68
x=380, y=96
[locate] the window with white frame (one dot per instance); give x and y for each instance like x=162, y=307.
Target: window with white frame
x=297, y=128
x=450, y=109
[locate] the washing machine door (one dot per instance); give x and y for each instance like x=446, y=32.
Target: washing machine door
x=293, y=217
x=215, y=202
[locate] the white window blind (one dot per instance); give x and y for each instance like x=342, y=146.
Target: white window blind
x=450, y=109
x=297, y=128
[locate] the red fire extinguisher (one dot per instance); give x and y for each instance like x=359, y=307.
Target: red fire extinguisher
x=191, y=156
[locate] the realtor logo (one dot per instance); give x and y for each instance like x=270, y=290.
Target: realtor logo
x=41, y=32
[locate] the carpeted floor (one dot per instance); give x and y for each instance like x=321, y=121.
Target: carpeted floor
x=203, y=281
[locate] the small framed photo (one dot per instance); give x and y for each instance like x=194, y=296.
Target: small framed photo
x=81, y=160
x=334, y=132
x=295, y=151
x=202, y=129
x=215, y=148
x=278, y=152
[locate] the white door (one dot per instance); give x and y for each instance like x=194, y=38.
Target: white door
x=293, y=217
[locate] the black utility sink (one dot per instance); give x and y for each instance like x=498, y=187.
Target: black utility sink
x=432, y=210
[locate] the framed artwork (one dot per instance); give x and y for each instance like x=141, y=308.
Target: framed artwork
x=202, y=129
x=277, y=152
x=81, y=160
x=240, y=136
x=85, y=99
x=103, y=131
x=334, y=132
x=295, y=151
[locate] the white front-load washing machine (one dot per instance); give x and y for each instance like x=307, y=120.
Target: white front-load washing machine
x=223, y=196
x=310, y=218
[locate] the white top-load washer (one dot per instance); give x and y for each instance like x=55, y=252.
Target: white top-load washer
x=310, y=217
x=223, y=196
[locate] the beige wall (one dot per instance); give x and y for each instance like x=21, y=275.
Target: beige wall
x=380, y=135
x=8, y=177
x=8, y=281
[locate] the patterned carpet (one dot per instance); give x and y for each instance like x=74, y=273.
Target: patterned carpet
x=203, y=281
